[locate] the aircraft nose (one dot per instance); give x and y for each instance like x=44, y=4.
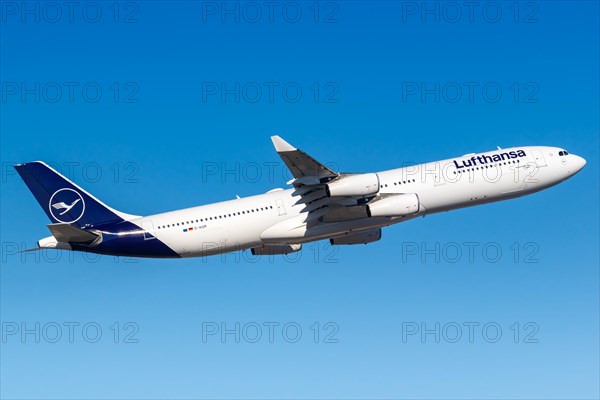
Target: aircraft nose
x=578, y=163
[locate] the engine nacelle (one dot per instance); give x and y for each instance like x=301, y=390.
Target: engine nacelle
x=272, y=249
x=354, y=185
x=399, y=205
x=363, y=237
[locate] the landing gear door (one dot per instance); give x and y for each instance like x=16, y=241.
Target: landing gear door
x=148, y=228
x=538, y=158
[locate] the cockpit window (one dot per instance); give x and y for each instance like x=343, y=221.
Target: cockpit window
x=563, y=153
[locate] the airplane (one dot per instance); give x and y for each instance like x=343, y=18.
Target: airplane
x=344, y=208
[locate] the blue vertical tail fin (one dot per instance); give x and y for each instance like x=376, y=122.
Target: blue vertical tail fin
x=64, y=201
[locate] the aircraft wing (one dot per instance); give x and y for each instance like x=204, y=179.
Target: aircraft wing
x=310, y=180
x=305, y=169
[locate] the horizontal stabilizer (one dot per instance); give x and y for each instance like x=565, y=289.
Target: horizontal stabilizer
x=30, y=250
x=67, y=233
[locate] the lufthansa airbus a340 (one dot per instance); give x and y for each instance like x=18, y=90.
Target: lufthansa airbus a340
x=346, y=208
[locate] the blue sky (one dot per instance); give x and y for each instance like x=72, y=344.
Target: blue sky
x=153, y=106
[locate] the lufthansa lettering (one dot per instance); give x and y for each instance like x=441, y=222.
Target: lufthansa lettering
x=485, y=159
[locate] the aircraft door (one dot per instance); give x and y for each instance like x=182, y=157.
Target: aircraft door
x=538, y=158
x=280, y=207
x=148, y=228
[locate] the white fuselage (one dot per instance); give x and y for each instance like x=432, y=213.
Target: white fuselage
x=279, y=216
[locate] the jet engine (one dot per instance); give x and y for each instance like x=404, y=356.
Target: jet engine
x=353, y=185
x=398, y=205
